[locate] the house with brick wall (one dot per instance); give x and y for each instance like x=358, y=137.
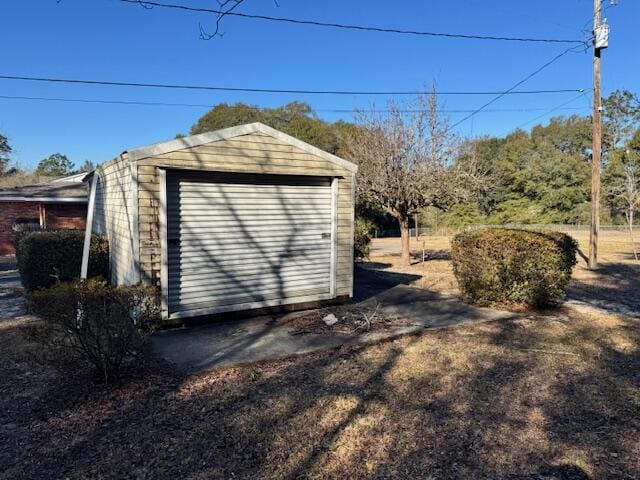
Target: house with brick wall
x=57, y=203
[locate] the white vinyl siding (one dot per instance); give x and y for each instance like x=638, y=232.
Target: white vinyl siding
x=115, y=218
x=237, y=241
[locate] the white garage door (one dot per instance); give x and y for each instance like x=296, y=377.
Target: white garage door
x=240, y=241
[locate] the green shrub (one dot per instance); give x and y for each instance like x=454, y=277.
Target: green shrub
x=362, y=237
x=48, y=257
x=504, y=266
x=93, y=323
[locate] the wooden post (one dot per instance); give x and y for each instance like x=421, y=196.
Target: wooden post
x=415, y=224
x=597, y=146
x=42, y=216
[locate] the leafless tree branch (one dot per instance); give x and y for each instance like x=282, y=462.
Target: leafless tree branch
x=226, y=7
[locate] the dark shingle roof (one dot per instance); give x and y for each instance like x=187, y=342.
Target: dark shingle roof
x=58, y=191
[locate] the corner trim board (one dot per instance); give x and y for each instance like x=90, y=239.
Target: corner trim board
x=164, y=265
x=334, y=236
x=84, y=267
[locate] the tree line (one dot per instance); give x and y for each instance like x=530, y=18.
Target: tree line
x=412, y=163
x=55, y=165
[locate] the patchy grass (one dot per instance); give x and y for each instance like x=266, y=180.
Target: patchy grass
x=554, y=396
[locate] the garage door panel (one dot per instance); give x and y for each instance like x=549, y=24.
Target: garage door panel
x=265, y=201
x=299, y=223
x=207, y=305
x=258, y=235
x=196, y=275
x=259, y=261
x=253, y=289
x=283, y=246
x=244, y=239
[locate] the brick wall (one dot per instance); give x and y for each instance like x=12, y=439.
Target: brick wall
x=9, y=212
x=58, y=215
x=65, y=215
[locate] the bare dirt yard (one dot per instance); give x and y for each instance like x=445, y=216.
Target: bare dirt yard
x=553, y=395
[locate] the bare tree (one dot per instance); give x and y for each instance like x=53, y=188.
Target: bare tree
x=406, y=160
x=623, y=184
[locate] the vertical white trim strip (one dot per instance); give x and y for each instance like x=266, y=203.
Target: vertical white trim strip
x=89, y=227
x=334, y=235
x=353, y=232
x=136, y=223
x=164, y=265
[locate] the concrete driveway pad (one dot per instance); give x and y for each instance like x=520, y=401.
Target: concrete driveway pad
x=265, y=338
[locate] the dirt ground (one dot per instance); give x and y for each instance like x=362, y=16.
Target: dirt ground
x=552, y=396
x=546, y=397
x=616, y=281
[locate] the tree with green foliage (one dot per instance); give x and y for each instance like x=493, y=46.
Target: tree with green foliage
x=55, y=165
x=86, y=167
x=542, y=176
x=296, y=119
x=5, y=151
x=621, y=117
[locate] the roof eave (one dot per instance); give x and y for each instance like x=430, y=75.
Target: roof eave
x=148, y=151
x=44, y=199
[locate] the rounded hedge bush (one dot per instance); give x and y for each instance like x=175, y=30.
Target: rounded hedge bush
x=48, y=257
x=507, y=266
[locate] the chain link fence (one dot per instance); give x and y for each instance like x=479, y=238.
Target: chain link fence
x=447, y=231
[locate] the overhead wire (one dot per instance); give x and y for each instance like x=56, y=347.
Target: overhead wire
x=204, y=105
x=369, y=28
x=554, y=109
x=516, y=85
x=271, y=90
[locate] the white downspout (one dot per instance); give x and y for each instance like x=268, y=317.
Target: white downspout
x=88, y=229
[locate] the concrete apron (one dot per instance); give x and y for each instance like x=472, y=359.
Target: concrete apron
x=265, y=338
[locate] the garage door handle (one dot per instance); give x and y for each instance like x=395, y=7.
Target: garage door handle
x=326, y=236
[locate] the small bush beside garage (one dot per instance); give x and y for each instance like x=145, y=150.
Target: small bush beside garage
x=362, y=238
x=91, y=323
x=506, y=266
x=49, y=257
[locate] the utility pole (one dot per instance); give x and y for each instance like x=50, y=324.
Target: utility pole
x=600, y=38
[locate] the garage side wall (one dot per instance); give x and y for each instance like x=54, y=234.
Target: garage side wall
x=115, y=217
x=253, y=153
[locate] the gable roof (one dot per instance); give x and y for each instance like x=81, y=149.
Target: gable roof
x=136, y=154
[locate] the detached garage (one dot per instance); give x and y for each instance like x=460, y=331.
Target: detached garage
x=237, y=219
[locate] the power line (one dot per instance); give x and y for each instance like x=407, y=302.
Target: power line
x=202, y=105
x=270, y=90
x=150, y=4
x=555, y=109
x=516, y=85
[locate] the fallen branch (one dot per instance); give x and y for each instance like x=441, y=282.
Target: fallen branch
x=549, y=352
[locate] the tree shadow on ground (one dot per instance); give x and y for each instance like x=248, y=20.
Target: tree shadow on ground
x=502, y=400
x=612, y=282
x=416, y=256
x=553, y=472
x=373, y=278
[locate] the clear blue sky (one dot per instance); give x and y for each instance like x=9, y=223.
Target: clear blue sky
x=106, y=39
